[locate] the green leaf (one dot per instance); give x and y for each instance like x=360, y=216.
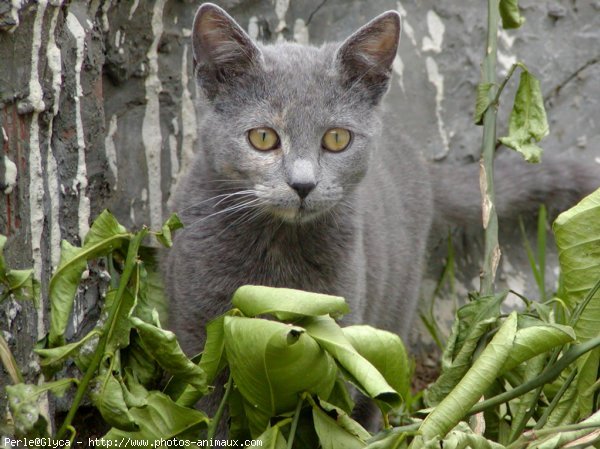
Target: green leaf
x=265, y=358
x=58, y=354
x=476, y=311
x=331, y=338
x=21, y=283
x=511, y=17
x=483, y=101
x=577, y=233
x=473, y=385
x=272, y=438
x=462, y=437
x=213, y=358
x=151, y=293
x=212, y=361
x=105, y=235
x=107, y=395
x=385, y=351
x=9, y=362
x=162, y=419
x=344, y=421
x=286, y=304
x=23, y=402
x=163, y=347
x=528, y=123
x=165, y=235
x=118, y=336
x=332, y=435
x=452, y=374
x=537, y=339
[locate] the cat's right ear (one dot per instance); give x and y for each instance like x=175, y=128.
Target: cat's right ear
x=365, y=59
x=222, y=49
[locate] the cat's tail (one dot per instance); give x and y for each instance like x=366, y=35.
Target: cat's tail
x=559, y=181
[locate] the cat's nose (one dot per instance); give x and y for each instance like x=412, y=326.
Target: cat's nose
x=303, y=188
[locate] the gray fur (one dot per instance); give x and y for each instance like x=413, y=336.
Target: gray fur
x=361, y=233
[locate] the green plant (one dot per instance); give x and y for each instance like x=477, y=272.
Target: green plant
x=294, y=366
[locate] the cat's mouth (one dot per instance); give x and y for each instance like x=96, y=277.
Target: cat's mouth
x=300, y=213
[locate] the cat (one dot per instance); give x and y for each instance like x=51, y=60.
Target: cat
x=301, y=180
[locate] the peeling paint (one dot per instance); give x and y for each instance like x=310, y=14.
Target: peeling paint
x=54, y=64
x=133, y=8
x=189, y=132
x=151, y=133
x=80, y=182
x=406, y=26
x=398, y=68
x=436, y=29
x=105, y=7
x=15, y=6
x=10, y=175
x=111, y=150
x=36, y=178
x=301, y=32
x=281, y=9
x=173, y=153
x=506, y=61
x=437, y=79
x=253, y=28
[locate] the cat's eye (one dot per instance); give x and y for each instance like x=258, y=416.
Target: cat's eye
x=263, y=139
x=336, y=139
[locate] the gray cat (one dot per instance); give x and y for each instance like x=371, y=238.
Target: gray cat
x=302, y=181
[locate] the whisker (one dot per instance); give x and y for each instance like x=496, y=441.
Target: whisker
x=223, y=196
x=227, y=210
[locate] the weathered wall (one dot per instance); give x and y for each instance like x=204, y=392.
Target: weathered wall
x=96, y=109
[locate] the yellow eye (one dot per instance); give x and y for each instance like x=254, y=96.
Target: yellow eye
x=263, y=139
x=336, y=139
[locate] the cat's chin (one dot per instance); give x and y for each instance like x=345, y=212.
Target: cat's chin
x=295, y=214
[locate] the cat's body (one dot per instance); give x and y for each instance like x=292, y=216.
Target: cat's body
x=372, y=203
x=353, y=222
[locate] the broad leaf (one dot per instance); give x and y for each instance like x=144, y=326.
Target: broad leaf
x=105, y=235
x=473, y=385
x=163, y=347
x=577, y=233
x=511, y=17
x=286, y=304
x=165, y=235
x=344, y=421
x=385, y=351
x=23, y=402
x=537, y=339
x=332, y=435
x=21, y=283
x=528, y=123
x=58, y=354
x=483, y=101
x=265, y=358
x=162, y=419
x=331, y=338
x=272, y=438
x=107, y=396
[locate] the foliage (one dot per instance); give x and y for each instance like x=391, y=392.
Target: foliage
x=526, y=380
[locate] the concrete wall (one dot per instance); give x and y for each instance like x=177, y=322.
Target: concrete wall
x=97, y=110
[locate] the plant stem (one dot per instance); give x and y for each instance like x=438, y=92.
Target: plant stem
x=550, y=374
x=490, y=217
x=214, y=422
x=290, y=442
x=563, y=388
x=130, y=264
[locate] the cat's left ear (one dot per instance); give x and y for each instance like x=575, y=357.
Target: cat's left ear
x=222, y=49
x=365, y=58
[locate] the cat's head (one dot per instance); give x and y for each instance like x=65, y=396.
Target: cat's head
x=292, y=125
